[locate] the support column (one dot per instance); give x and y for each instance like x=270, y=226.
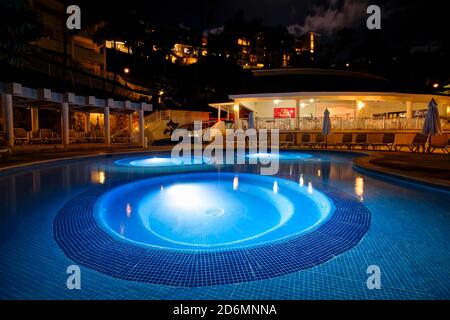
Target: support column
x=297, y=113
x=87, y=122
x=34, y=121
x=236, y=117
x=9, y=122
x=65, y=123
x=130, y=127
x=218, y=114
x=408, y=109
x=107, y=126
x=251, y=120
x=141, y=128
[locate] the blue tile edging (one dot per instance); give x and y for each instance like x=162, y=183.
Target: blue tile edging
x=87, y=244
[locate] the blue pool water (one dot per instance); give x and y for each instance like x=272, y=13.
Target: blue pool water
x=73, y=212
x=279, y=156
x=206, y=211
x=160, y=161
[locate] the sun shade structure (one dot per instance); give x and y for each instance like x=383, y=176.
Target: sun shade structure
x=432, y=124
x=326, y=126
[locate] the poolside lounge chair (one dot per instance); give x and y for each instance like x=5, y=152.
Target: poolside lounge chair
x=320, y=141
x=361, y=141
x=305, y=140
x=98, y=136
x=122, y=137
x=418, y=142
x=21, y=136
x=440, y=142
x=335, y=140
x=47, y=136
x=72, y=136
x=35, y=138
x=288, y=141
x=387, y=141
x=80, y=136
x=347, y=139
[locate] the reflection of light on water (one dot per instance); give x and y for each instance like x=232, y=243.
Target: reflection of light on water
x=186, y=196
x=359, y=187
x=166, y=161
x=149, y=162
x=235, y=183
x=310, y=188
x=301, y=181
x=98, y=176
x=128, y=209
x=263, y=155
x=275, y=187
x=318, y=173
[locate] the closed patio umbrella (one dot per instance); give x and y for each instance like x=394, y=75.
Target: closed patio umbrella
x=326, y=126
x=432, y=124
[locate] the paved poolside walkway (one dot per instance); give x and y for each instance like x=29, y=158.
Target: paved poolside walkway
x=425, y=168
x=28, y=155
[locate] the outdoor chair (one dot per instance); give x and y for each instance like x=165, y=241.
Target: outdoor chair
x=98, y=136
x=72, y=136
x=387, y=141
x=21, y=136
x=361, y=141
x=440, y=142
x=419, y=142
x=335, y=140
x=47, y=136
x=347, y=139
x=305, y=140
x=120, y=137
x=79, y=136
x=320, y=141
x=35, y=138
x=288, y=141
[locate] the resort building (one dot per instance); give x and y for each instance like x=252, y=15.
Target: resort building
x=295, y=99
x=82, y=118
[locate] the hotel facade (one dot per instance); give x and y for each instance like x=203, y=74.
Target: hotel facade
x=360, y=107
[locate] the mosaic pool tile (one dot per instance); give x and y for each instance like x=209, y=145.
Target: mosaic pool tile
x=84, y=242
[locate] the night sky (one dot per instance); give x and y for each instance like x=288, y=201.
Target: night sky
x=412, y=24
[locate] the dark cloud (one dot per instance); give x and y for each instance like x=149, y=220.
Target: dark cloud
x=332, y=16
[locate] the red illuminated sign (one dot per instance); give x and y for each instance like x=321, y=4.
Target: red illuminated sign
x=284, y=112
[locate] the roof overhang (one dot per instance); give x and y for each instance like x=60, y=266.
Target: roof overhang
x=365, y=96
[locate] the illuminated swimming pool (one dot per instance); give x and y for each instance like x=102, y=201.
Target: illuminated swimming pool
x=205, y=211
x=308, y=232
x=279, y=156
x=160, y=161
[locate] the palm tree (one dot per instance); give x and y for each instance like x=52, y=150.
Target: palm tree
x=19, y=27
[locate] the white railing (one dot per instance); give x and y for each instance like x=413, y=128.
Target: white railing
x=158, y=115
x=313, y=124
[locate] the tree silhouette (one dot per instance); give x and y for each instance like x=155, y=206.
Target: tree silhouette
x=19, y=27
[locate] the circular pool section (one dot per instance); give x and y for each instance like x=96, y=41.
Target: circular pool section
x=160, y=161
x=279, y=156
x=211, y=211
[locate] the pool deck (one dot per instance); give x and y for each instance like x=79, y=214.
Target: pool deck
x=431, y=169
x=28, y=155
